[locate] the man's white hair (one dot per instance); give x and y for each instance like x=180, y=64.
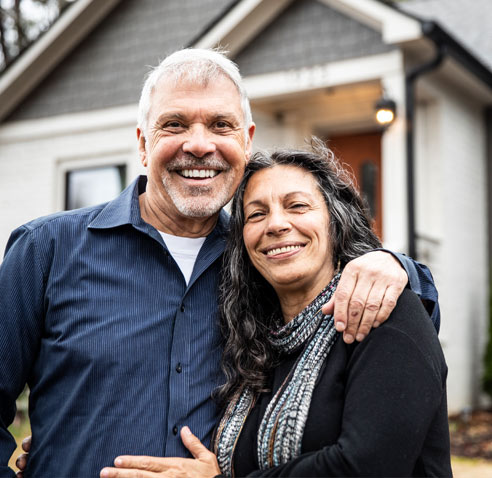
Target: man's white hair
x=197, y=66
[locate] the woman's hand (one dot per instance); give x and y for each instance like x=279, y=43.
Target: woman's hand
x=203, y=465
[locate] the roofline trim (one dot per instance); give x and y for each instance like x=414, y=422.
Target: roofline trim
x=241, y=24
x=454, y=49
x=43, y=55
x=394, y=25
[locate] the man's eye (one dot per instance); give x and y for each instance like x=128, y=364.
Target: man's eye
x=173, y=124
x=298, y=205
x=221, y=125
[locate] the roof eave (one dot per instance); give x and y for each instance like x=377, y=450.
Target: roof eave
x=41, y=57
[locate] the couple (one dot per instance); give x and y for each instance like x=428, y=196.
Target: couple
x=298, y=400
x=117, y=337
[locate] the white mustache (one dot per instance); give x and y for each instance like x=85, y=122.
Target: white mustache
x=191, y=162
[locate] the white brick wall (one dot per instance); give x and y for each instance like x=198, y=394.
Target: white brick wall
x=33, y=154
x=451, y=205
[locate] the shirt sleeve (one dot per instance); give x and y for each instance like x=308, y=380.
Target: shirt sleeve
x=394, y=392
x=21, y=312
x=421, y=282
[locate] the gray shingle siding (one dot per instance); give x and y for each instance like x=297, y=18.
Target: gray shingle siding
x=107, y=68
x=305, y=34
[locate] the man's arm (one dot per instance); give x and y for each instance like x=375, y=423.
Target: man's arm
x=369, y=289
x=21, y=305
x=421, y=282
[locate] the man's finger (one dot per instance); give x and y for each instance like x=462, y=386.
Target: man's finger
x=26, y=444
x=355, y=309
x=328, y=308
x=371, y=310
x=388, y=303
x=342, y=296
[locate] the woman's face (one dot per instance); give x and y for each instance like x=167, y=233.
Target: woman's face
x=286, y=229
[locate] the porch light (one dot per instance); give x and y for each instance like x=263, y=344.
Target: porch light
x=385, y=111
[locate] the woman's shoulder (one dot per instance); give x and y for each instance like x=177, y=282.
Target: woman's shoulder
x=407, y=336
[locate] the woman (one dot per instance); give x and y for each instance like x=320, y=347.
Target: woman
x=300, y=401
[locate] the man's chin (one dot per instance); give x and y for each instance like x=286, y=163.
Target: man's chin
x=193, y=208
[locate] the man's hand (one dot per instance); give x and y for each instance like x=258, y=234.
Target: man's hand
x=203, y=465
x=366, y=294
x=21, y=461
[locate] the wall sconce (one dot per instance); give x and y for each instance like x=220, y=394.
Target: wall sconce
x=385, y=111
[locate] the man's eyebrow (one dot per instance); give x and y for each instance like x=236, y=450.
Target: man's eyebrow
x=168, y=116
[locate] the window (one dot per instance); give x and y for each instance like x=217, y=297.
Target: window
x=90, y=186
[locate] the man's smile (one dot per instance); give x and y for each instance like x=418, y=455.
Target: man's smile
x=198, y=173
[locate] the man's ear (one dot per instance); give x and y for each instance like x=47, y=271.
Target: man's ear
x=249, y=140
x=141, y=147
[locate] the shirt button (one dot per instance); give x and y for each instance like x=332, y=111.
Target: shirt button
x=175, y=430
x=179, y=368
x=182, y=308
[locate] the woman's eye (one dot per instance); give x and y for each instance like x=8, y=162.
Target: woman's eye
x=298, y=205
x=255, y=215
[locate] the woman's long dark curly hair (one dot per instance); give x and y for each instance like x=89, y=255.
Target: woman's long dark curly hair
x=248, y=302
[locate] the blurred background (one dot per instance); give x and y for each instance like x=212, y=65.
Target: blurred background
x=400, y=90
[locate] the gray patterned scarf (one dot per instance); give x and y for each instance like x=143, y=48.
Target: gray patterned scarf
x=282, y=427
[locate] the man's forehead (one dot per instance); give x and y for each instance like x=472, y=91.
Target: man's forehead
x=169, y=93
x=182, y=79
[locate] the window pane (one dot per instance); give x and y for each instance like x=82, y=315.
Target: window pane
x=86, y=187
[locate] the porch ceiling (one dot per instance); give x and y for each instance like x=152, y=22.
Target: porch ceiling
x=337, y=109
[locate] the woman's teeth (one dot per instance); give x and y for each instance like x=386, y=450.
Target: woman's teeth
x=279, y=250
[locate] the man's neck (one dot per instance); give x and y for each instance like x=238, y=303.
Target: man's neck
x=173, y=222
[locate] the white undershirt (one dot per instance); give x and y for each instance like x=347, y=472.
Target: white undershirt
x=184, y=251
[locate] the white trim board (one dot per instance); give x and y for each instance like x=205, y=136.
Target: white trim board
x=395, y=26
x=68, y=124
x=242, y=24
x=323, y=76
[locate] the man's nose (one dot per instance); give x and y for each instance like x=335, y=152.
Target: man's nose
x=199, y=142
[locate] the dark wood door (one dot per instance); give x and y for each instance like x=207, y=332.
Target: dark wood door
x=362, y=155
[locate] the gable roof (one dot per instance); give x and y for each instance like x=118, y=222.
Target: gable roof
x=43, y=55
x=229, y=23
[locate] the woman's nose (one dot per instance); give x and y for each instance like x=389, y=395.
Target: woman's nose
x=278, y=223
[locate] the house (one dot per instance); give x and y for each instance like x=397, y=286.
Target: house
x=68, y=114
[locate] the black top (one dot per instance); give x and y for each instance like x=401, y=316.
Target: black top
x=378, y=409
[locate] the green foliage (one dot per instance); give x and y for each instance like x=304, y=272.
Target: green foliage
x=487, y=376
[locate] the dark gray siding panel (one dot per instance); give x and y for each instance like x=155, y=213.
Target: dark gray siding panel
x=305, y=34
x=108, y=67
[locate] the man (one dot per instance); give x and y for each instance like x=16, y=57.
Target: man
x=109, y=312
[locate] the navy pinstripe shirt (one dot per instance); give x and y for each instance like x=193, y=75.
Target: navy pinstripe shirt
x=118, y=352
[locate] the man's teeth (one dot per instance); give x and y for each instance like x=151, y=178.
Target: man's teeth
x=199, y=173
x=279, y=250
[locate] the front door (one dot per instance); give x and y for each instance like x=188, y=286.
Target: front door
x=361, y=153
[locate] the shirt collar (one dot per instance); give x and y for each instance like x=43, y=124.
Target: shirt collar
x=125, y=209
